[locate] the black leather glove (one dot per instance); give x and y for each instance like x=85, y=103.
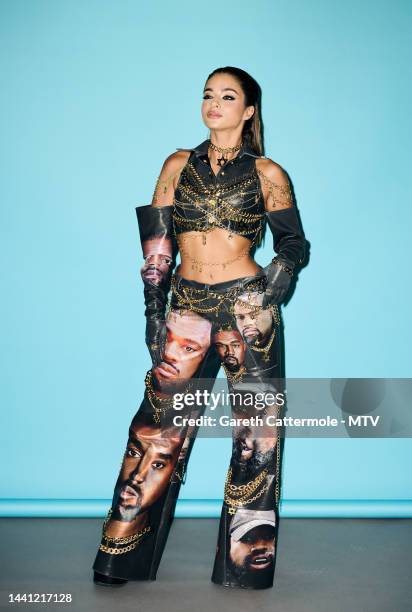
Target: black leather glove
x=290, y=245
x=279, y=275
x=156, y=236
x=155, y=335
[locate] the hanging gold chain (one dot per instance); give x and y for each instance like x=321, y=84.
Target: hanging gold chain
x=186, y=299
x=217, y=209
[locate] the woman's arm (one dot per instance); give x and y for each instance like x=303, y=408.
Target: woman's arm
x=275, y=185
x=156, y=236
x=281, y=213
x=289, y=241
x=168, y=178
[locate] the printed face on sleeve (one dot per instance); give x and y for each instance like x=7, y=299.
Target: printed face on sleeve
x=157, y=254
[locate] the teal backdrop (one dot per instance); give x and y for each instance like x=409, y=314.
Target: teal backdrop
x=95, y=94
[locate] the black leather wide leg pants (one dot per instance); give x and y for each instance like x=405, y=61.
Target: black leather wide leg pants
x=208, y=326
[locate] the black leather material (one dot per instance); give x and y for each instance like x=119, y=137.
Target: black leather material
x=236, y=187
x=278, y=282
x=158, y=246
x=224, y=327
x=288, y=237
x=290, y=245
x=103, y=580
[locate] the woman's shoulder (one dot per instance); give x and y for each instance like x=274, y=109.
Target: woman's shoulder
x=271, y=169
x=168, y=178
x=275, y=184
x=176, y=160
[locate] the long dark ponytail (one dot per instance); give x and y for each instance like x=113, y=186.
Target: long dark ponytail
x=253, y=128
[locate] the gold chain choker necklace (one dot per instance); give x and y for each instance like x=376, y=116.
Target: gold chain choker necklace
x=222, y=160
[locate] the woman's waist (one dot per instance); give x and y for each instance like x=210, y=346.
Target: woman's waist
x=184, y=276
x=215, y=256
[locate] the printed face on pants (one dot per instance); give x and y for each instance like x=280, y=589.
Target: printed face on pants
x=252, y=542
x=255, y=324
x=148, y=463
x=157, y=253
x=230, y=348
x=254, y=552
x=154, y=466
x=188, y=339
x=253, y=449
x=255, y=441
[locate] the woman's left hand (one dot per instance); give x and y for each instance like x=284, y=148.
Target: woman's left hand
x=278, y=282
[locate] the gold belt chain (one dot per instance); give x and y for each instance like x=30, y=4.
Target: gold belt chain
x=186, y=297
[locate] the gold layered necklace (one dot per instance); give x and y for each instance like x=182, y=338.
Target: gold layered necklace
x=221, y=161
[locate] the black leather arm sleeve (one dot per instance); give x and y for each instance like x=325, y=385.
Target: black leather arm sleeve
x=156, y=237
x=288, y=237
x=289, y=243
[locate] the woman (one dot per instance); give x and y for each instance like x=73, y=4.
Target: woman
x=210, y=204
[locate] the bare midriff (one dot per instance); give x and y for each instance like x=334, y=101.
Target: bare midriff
x=219, y=259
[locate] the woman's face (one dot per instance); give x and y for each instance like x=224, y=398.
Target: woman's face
x=223, y=105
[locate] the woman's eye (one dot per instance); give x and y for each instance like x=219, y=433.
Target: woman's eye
x=189, y=349
x=157, y=465
x=227, y=96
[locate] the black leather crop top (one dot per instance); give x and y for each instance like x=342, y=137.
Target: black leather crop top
x=232, y=199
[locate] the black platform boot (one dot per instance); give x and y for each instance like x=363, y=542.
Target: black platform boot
x=103, y=580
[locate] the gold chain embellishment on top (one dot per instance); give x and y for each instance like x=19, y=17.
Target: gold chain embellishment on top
x=163, y=185
x=198, y=265
x=216, y=197
x=213, y=203
x=280, y=194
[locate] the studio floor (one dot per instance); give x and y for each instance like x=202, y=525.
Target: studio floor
x=322, y=565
